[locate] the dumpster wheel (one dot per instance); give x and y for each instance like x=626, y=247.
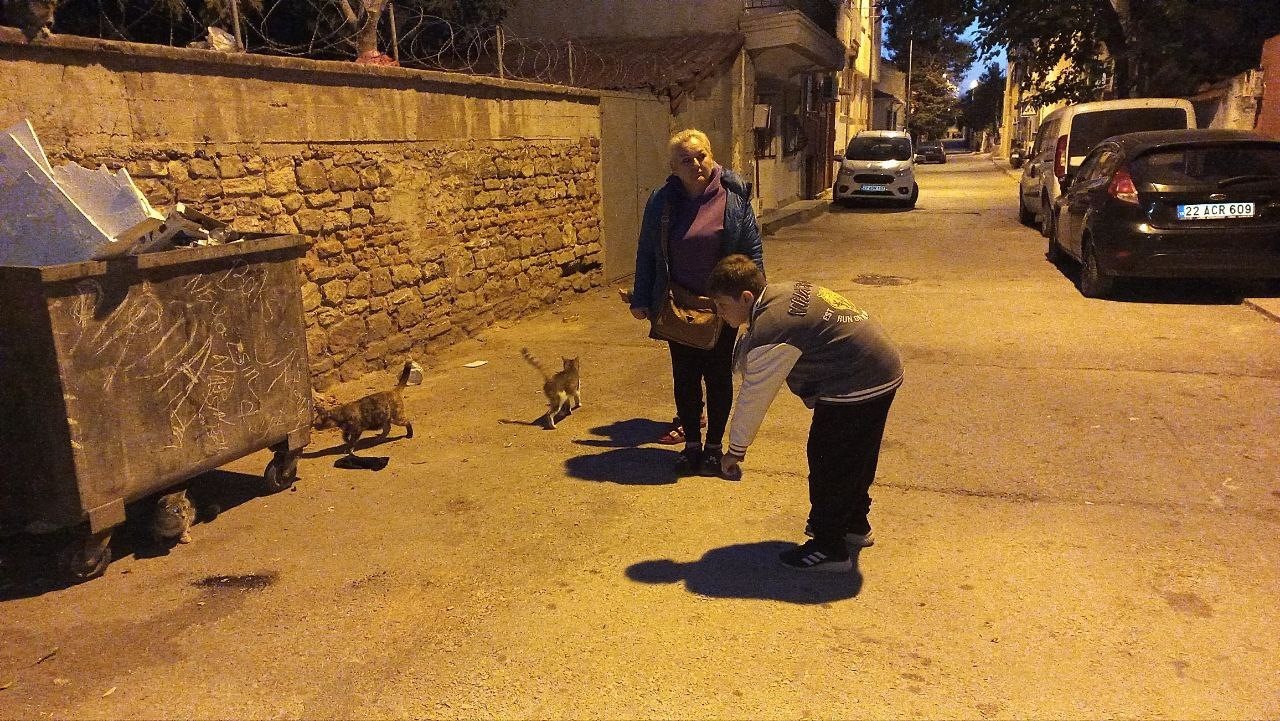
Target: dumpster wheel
x=85, y=557
x=281, y=472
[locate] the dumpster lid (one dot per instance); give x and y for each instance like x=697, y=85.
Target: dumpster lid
x=251, y=245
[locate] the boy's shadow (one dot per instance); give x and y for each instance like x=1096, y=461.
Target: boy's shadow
x=752, y=570
x=626, y=463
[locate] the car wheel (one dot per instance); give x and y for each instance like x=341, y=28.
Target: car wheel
x=1054, y=252
x=1093, y=282
x=1026, y=217
x=915, y=195
x=1046, y=217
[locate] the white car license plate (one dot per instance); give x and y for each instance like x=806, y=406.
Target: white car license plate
x=1214, y=211
x=874, y=188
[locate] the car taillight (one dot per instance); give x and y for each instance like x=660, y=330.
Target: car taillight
x=1060, y=157
x=1121, y=187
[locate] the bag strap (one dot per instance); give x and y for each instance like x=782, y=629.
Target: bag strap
x=665, y=238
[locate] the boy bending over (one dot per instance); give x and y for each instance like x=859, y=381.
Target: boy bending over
x=844, y=367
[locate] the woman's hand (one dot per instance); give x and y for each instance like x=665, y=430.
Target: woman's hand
x=638, y=313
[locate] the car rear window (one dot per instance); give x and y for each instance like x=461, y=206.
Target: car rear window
x=1088, y=129
x=1196, y=164
x=879, y=149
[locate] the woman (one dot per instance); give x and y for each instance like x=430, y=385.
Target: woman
x=710, y=218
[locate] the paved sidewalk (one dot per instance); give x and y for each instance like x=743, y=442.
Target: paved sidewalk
x=1268, y=306
x=800, y=211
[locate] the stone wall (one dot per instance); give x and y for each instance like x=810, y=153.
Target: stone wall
x=1269, y=110
x=436, y=204
x=415, y=245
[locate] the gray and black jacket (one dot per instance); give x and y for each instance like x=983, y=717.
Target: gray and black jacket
x=825, y=348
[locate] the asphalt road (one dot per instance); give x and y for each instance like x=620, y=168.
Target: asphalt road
x=1076, y=517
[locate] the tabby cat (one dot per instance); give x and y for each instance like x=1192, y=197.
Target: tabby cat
x=174, y=514
x=375, y=411
x=563, y=390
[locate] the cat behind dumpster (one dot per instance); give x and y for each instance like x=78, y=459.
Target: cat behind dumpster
x=376, y=411
x=563, y=390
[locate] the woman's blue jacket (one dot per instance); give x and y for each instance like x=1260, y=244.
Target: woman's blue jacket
x=741, y=235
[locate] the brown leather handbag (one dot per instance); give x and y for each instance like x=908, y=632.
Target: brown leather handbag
x=684, y=317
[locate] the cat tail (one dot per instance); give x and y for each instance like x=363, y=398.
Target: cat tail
x=405, y=373
x=533, y=361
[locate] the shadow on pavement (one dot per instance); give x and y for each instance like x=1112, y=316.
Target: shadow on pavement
x=340, y=448
x=1179, y=291
x=29, y=562
x=627, y=434
x=627, y=463
x=751, y=570
x=627, y=466
x=878, y=207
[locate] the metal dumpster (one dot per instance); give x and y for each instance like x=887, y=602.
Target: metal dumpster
x=122, y=378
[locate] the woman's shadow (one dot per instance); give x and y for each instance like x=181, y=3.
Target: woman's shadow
x=626, y=462
x=751, y=570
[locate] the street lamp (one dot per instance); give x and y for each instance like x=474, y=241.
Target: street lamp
x=972, y=131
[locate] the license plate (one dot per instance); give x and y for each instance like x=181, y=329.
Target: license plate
x=874, y=188
x=1215, y=211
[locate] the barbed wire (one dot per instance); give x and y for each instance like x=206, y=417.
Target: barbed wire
x=320, y=29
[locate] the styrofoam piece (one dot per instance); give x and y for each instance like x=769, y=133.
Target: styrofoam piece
x=113, y=201
x=39, y=223
x=25, y=135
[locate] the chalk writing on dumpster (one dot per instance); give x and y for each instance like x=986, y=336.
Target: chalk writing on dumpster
x=203, y=360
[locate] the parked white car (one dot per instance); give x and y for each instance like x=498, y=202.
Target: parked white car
x=1067, y=135
x=877, y=165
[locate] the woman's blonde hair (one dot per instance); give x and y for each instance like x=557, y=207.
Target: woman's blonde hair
x=684, y=136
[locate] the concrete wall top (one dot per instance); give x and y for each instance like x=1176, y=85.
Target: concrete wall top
x=96, y=93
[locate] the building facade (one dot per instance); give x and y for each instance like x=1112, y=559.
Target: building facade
x=769, y=106
x=858, y=29
x=889, y=112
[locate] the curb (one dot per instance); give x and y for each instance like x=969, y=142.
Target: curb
x=1270, y=307
x=1011, y=172
x=782, y=220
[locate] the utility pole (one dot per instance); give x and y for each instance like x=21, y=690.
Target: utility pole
x=910, y=50
x=235, y=23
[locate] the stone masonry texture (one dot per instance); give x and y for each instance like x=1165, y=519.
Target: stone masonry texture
x=436, y=204
x=414, y=246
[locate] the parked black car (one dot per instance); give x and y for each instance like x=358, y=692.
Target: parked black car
x=931, y=153
x=1172, y=204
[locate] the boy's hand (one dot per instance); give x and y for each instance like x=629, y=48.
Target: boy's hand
x=730, y=468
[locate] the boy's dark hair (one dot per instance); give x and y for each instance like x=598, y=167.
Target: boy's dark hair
x=734, y=274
